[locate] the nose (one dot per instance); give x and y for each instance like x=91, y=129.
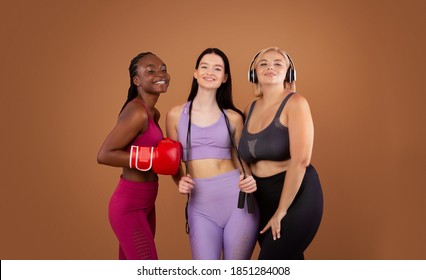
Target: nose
x=161, y=73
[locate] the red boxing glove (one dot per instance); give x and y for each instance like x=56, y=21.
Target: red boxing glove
x=164, y=159
x=167, y=157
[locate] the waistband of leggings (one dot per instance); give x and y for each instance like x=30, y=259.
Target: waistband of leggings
x=224, y=175
x=310, y=171
x=136, y=185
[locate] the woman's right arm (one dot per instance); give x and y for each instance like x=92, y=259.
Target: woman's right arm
x=130, y=123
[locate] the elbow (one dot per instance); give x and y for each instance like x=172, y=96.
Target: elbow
x=101, y=158
x=305, y=163
x=301, y=163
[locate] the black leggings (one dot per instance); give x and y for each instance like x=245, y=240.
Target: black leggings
x=301, y=222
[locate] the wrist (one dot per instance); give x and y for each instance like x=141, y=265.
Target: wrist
x=281, y=211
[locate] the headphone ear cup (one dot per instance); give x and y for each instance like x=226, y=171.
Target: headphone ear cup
x=290, y=76
x=252, y=76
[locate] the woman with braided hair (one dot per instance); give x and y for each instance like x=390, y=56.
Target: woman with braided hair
x=132, y=205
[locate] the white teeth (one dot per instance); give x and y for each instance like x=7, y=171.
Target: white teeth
x=160, y=82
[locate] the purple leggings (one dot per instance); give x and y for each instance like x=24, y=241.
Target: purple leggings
x=216, y=224
x=132, y=218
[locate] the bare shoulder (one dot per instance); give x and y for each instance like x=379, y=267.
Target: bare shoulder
x=297, y=102
x=134, y=118
x=234, y=116
x=235, y=119
x=134, y=112
x=174, y=112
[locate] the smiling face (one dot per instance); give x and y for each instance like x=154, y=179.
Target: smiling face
x=271, y=68
x=152, y=75
x=210, y=73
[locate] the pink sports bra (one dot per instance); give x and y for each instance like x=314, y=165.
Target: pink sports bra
x=150, y=137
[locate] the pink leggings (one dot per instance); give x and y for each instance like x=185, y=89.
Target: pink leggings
x=132, y=218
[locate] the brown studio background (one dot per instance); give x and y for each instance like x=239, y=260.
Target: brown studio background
x=64, y=79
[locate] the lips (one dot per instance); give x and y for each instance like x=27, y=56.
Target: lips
x=270, y=74
x=210, y=79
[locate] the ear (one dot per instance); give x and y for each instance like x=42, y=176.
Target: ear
x=136, y=81
x=225, y=78
x=195, y=74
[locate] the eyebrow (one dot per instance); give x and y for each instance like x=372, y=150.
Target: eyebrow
x=278, y=59
x=216, y=65
x=152, y=65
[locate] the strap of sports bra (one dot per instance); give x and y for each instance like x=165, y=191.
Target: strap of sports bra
x=250, y=111
x=144, y=106
x=280, y=109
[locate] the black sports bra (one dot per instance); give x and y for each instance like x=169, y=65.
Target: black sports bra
x=272, y=143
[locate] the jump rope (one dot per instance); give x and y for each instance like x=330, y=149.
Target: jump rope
x=242, y=197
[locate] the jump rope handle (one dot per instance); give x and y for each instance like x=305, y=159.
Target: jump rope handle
x=250, y=203
x=242, y=197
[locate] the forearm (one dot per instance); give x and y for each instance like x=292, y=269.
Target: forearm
x=115, y=158
x=293, y=180
x=176, y=178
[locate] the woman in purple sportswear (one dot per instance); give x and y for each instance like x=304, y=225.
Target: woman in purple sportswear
x=218, y=229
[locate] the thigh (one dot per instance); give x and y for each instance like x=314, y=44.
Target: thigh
x=205, y=237
x=240, y=234
x=299, y=226
x=129, y=209
x=287, y=247
x=135, y=236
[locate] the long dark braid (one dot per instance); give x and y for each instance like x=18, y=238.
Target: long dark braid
x=133, y=69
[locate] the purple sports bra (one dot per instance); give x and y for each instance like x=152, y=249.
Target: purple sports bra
x=150, y=137
x=272, y=143
x=206, y=142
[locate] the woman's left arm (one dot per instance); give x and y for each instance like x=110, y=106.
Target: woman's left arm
x=301, y=135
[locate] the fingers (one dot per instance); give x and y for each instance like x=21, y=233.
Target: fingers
x=268, y=225
x=277, y=233
x=186, y=184
x=275, y=229
x=247, y=185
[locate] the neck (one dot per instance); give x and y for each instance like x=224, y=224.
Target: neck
x=148, y=99
x=274, y=93
x=205, y=100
